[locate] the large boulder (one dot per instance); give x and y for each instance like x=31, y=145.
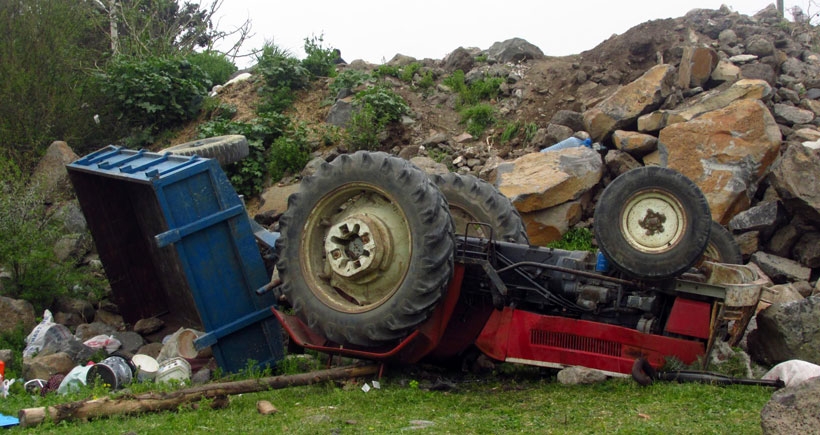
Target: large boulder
x=538, y=181
x=623, y=107
x=793, y=410
x=51, y=172
x=718, y=98
x=549, y=225
x=514, y=50
x=16, y=312
x=787, y=331
x=725, y=152
x=696, y=66
x=790, y=177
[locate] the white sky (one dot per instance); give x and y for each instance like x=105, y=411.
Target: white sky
x=375, y=30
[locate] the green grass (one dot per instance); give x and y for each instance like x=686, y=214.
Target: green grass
x=488, y=404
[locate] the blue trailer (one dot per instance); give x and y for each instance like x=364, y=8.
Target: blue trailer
x=175, y=240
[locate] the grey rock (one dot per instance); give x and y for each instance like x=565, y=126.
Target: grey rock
x=43, y=367
x=759, y=46
x=341, y=112
x=799, y=193
x=793, y=410
x=151, y=349
x=7, y=356
x=573, y=120
x=109, y=318
x=760, y=71
x=514, y=50
x=783, y=240
x=131, y=341
x=15, y=312
x=779, y=269
x=728, y=37
x=556, y=133
x=72, y=217
x=791, y=115
x=618, y=162
x=72, y=347
x=787, y=331
x=460, y=59
x=81, y=307
x=88, y=330
x=580, y=375
x=148, y=326
x=766, y=218
x=807, y=250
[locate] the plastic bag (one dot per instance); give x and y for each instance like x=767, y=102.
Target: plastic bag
x=107, y=342
x=45, y=332
x=793, y=372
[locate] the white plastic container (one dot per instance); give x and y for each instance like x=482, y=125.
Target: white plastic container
x=147, y=367
x=177, y=369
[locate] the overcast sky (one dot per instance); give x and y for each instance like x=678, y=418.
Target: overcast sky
x=375, y=30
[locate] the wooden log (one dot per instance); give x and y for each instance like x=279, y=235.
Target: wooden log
x=153, y=402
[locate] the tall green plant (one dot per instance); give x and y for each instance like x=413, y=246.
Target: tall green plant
x=319, y=60
x=28, y=231
x=283, y=75
x=47, y=48
x=155, y=93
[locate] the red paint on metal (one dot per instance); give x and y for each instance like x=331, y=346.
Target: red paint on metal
x=522, y=335
x=690, y=318
x=409, y=350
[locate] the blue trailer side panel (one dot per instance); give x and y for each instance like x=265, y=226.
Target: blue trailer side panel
x=172, y=233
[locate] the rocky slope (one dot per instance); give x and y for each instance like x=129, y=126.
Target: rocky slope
x=729, y=100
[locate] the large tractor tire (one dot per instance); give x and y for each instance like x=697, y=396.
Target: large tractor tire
x=474, y=200
x=722, y=247
x=652, y=223
x=225, y=149
x=366, y=249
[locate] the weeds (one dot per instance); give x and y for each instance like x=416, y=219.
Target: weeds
x=478, y=118
x=576, y=239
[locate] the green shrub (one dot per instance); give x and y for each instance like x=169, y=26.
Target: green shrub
x=511, y=130
x=218, y=67
x=155, y=93
x=319, y=60
x=386, y=71
x=28, y=231
x=248, y=176
x=364, y=128
x=377, y=106
x=283, y=75
x=576, y=239
x=387, y=105
x=478, y=118
x=347, y=79
x=289, y=153
x=427, y=80
x=479, y=90
x=407, y=73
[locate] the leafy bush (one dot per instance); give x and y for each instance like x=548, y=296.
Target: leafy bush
x=364, y=129
x=283, y=74
x=385, y=70
x=248, y=175
x=320, y=61
x=478, y=118
x=218, y=67
x=155, y=93
x=348, y=79
x=576, y=239
x=289, y=153
x=387, y=105
x=377, y=107
x=479, y=90
x=511, y=130
x=409, y=71
x=28, y=231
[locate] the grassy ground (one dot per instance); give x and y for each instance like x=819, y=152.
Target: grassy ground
x=521, y=402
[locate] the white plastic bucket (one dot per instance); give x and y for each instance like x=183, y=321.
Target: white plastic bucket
x=147, y=367
x=174, y=369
